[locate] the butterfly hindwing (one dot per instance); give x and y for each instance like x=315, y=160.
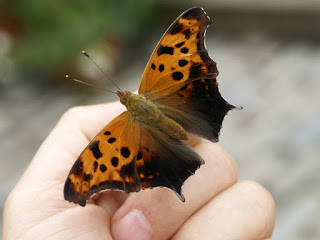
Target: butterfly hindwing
x=164, y=161
x=108, y=162
x=198, y=107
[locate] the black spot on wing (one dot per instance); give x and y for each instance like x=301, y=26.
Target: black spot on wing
x=107, y=133
x=111, y=140
x=177, y=76
x=125, y=152
x=103, y=168
x=95, y=166
x=161, y=68
x=182, y=63
x=184, y=50
x=114, y=161
x=164, y=50
x=153, y=66
x=95, y=149
x=179, y=44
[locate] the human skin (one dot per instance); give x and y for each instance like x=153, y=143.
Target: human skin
x=217, y=205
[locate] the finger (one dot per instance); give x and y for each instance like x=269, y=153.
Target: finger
x=73, y=223
x=159, y=212
x=244, y=211
x=70, y=136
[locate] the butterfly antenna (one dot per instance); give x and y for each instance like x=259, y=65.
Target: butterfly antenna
x=88, y=84
x=87, y=55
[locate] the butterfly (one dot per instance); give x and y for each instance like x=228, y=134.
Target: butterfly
x=142, y=147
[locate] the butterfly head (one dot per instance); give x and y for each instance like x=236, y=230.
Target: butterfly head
x=124, y=96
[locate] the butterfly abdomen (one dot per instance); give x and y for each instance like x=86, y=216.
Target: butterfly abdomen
x=150, y=114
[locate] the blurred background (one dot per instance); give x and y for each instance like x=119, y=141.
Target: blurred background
x=268, y=55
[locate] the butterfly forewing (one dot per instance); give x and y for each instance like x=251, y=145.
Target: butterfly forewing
x=186, y=90
x=180, y=56
x=108, y=162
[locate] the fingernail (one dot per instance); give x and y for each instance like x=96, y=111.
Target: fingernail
x=132, y=226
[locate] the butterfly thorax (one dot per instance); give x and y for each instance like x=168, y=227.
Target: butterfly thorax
x=148, y=112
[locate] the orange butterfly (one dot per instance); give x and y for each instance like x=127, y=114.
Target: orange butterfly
x=142, y=147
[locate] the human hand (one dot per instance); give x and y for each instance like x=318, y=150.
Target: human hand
x=217, y=206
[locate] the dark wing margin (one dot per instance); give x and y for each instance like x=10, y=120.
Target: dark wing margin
x=198, y=106
x=165, y=162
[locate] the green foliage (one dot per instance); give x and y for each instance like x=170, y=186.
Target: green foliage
x=54, y=30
